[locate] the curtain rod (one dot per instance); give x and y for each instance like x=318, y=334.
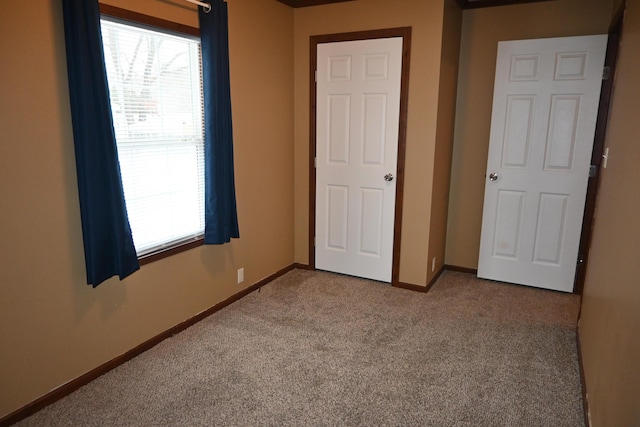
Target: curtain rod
x=206, y=6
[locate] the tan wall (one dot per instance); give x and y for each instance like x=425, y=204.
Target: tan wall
x=610, y=319
x=452, y=23
x=425, y=16
x=53, y=327
x=481, y=31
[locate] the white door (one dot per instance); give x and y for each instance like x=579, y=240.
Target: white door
x=545, y=104
x=357, y=123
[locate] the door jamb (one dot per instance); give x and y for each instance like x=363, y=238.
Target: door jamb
x=405, y=33
x=606, y=93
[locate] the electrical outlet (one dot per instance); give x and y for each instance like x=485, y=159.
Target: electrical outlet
x=240, y=275
x=433, y=264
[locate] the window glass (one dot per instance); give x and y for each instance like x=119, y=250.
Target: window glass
x=155, y=86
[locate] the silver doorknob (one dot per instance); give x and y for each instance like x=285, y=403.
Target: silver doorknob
x=493, y=177
x=388, y=177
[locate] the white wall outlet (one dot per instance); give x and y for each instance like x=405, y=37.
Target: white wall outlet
x=433, y=264
x=240, y=275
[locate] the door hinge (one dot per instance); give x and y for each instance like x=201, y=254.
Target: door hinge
x=315, y=76
x=606, y=73
x=315, y=162
x=593, y=170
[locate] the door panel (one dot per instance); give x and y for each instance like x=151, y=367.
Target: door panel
x=357, y=129
x=563, y=123
x=371, y=219
x=374, y=115
x=518, y=130
x=508, y=223
x=550, y=228
x=339, y=109
x=543, y=121
x=338, y=217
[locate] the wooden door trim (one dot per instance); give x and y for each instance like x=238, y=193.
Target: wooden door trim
x=405, y=33
x=606, y=93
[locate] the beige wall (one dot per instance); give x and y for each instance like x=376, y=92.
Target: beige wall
x=426, y=18
x=53, y=327
x=449, y=59
x=481, y=31
x=610, y=319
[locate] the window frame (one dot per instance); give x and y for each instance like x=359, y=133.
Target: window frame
x=162, y=24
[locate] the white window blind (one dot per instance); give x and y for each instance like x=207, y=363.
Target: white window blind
x=155, y=84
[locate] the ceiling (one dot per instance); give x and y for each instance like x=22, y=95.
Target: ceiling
x=465, y=4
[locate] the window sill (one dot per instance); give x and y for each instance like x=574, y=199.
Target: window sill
x=170, y=250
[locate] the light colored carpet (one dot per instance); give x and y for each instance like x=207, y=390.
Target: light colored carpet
x=314, y=348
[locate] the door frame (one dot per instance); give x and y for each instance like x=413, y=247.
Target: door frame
x=405, y=33
x=606, y=93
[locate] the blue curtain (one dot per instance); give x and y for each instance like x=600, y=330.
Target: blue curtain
x=221, y=218
x=108, y=244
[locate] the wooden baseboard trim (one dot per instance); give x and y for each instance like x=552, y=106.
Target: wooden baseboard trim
x=419, y=288
x=461, y=269
x=410, y=287
x=75, y=384
x=583, y=381
x=434, y=279
x=302, y=266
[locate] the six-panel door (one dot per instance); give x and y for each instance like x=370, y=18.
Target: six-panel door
x=545, y=105
x=358, y=107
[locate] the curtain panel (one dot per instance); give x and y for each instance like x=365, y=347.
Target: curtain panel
x=108, y=243
x=221, y=218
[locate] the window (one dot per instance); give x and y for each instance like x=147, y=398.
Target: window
x=155, y=85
